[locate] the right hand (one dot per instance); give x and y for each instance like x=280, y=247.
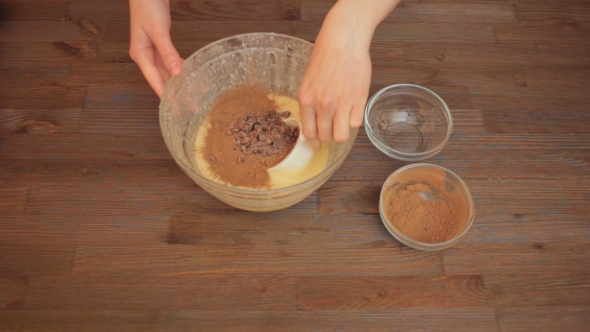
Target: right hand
x=151, y=47
x=335, y=87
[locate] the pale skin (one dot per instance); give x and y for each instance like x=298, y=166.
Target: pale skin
x=335, y=87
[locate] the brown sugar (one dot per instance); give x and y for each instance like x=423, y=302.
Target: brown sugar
x=245, y=137
x=423, y=210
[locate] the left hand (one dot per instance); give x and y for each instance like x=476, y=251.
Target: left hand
x=151, y=47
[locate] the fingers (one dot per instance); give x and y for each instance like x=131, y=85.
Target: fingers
x=357, y=114
x=309, y=127
x=164, y=73
x=325, y=118
x=342, y=125
x=170, y=57
x=146, y=60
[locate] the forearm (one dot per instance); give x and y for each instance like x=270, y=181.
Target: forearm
x=359, y=17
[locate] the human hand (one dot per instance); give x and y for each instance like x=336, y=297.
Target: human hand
x=335, y=87
x=151, y=47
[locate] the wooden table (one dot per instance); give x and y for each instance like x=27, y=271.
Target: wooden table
x=100, y=229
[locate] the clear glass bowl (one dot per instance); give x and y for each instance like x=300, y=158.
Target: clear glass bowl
x=451, y=185
x=408, y=122
x=276, y=62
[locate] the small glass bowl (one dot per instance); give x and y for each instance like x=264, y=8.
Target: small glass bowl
x=451, y=185
x=408, y=122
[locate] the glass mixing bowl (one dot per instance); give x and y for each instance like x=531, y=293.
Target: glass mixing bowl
x=276, y=62
x=408, y=122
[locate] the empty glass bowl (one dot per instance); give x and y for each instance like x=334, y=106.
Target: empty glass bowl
x=274, y=61
x=408, y=122
x=445, y=185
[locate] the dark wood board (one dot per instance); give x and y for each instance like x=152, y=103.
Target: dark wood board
x=100, y=230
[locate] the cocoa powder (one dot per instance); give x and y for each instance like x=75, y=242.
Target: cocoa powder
x=222, y=148
x=423, y=210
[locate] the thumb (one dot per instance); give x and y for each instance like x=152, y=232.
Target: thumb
x=168, y=53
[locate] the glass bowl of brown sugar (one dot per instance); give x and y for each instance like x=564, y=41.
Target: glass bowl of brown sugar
x=426, y=207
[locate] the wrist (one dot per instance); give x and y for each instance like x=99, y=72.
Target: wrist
x=359, y=13
x=347, y=23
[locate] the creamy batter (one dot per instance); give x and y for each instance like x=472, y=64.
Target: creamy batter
x=278, y=179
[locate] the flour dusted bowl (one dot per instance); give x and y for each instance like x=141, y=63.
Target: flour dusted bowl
x=275, y=62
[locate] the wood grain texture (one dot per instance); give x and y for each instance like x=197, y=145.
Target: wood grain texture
x=387, y=293
x=385, y=53
x=452, y=319
x=33, y=10
x=254, y=293
x=157, y=259
x=13, y=199
x=550, y=258
x=199, y=31
x=42, y=51
x=574, y=53
x=101, y=230
x=73, y=320
x=49, y=31
x=554, y=31
x=39, y=86
x=12, y=292
x=408, y=11
x=73, y=146
x=501, y=154
x=545, y=319
x=123, y=121
x=38, y=122
x=266, y=10
x=547, y=10
x=536, y=290
x=422, y=31
x=214, y=293
x=22, y=259
x=379, y=320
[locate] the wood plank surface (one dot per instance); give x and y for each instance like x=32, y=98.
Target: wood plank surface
x=13, y=199
x=451, y=319
x=78, y=320
x=544, y=319
x=415, y=11
x=100, y=230
x=12, y=292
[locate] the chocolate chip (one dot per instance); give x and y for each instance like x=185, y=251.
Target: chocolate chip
x=263, y=135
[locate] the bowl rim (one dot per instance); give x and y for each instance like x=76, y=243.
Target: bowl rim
x=412, y=156
x=237, y=190
x=415, y=243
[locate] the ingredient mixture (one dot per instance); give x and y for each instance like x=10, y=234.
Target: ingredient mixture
x=423, y=210
x=244, y=135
